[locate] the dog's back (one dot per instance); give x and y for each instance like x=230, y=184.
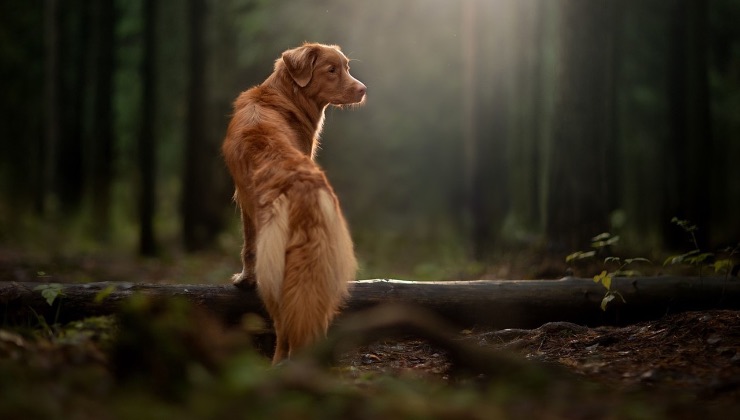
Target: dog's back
x=303, y=253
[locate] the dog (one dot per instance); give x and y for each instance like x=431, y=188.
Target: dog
x=297, y=247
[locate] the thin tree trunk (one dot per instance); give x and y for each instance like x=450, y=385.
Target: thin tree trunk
x=484, y=123
x=147, y=137
x=612, y=158
x=199, y=221
x=698, y=126
x=690, y=142
x=578, y=194
x=52, y=85
x=102, y=127
x=71, y=160
x=526, y=99
x=472, y=205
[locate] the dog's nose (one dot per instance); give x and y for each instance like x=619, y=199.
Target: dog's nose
x=362, y=90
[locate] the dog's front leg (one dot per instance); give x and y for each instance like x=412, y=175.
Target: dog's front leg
x=246, y=278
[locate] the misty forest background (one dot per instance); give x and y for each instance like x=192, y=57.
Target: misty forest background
x=492, y=128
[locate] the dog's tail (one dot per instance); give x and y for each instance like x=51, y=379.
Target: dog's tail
x=304, y=261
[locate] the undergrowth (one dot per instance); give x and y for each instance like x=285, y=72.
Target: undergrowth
x=723, y=262
x=169, y=359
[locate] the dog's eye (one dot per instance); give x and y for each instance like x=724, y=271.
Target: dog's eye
x=332, y=69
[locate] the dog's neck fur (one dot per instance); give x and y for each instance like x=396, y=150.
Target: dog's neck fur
x=309, y=116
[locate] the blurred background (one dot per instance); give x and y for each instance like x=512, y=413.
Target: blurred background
x=498, y=136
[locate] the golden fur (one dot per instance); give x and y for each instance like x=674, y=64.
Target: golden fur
x=296, y=243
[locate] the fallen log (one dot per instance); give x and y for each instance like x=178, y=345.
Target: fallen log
x=490, y=303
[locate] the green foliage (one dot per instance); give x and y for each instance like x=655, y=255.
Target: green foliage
x=579, y=255
x=723, y=266
x=726, y=265
x=606, y=280
x=159, y=360
x=602, y=242
x=101, y=330
x=50, y=291
x=695, y=257
x=103, y=294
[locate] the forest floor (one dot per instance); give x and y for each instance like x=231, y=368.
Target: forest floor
x=684, y=365
x=692, y=355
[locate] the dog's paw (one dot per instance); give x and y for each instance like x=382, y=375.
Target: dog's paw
x=243, y=280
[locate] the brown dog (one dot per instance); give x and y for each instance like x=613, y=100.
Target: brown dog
x=296, y=243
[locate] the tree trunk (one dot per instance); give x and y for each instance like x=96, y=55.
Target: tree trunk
x=469, y=133
x=147, y=137
x=485, y=114
x=690, y=142
x=578, y=193
x=200, y=218
x=498, y=304
x=51, y=98
x=102, y=126
x=526, y=115
x=75, y=41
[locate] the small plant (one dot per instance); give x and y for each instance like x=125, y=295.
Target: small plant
x=601, y=242
x=694, y=257
x=726, y=265
x=50, y=292
x=606, y=280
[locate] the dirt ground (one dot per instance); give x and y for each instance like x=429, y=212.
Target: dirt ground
x=696, y=354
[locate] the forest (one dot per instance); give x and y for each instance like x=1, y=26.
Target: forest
x=500, y=140
x=491, y=128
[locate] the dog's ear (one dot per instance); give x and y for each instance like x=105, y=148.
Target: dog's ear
x=300, y=63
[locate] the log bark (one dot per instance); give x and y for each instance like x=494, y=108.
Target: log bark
x=490, y=303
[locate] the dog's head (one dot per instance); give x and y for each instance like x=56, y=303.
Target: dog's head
x=321, y=72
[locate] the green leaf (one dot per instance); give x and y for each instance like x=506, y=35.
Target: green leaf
x=599, y=277
x=103, y=294
x=579, y=255
x=607, y=281
x=673, y=259
x=611, y=259
x=604, y=278
x=607, y=242
x=684, y=224
x=678, y=259
x=50, y=291
x=638, y=259
x=723, y=265
x=699, y=259
x=608, y=298
x=601, y=237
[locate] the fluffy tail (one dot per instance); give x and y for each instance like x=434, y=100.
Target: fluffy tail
x=304, y=261
x=272, y=241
